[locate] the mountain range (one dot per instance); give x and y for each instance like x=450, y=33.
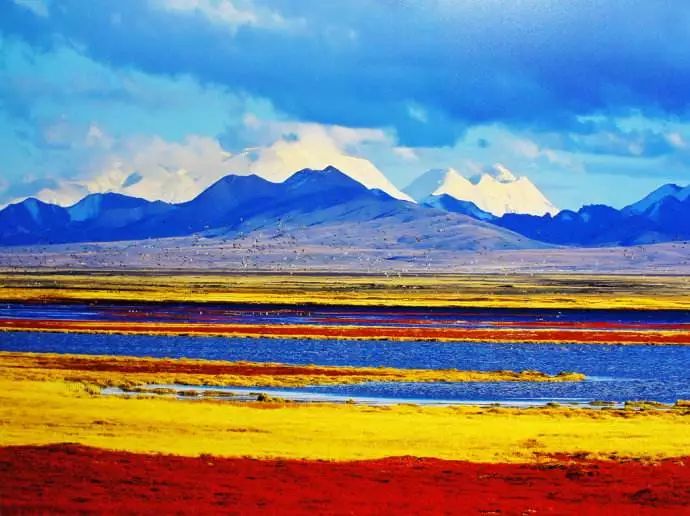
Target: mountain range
x=326, y=204
x=516, y=204
x=661, y=216
x=328, y=207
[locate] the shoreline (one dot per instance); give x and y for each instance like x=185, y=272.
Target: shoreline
x=129, y=372
x=351, y=332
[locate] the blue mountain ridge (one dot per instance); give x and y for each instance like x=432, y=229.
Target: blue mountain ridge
x=237, y=205
x=451, y=204
x=661, y=216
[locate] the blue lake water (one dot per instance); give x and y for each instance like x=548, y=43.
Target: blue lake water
x=615, y=373
x=331, y=315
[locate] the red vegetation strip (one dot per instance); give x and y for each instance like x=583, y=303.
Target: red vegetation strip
x=364, y=332
x=117, y=365
x=598, y=325
x=73, y=479
x=488, y=323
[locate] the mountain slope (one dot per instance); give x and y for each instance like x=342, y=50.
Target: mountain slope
x=451, y=204
x=660, y=194
x=111, y=211
x=32, y=221
x=497, y=193
x=662, y=216
x=590, y=225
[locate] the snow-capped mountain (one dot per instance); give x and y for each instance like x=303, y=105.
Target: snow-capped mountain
x=329, y=208
x=439, y=181
x=278, y=162
x=497, y=192
x=322, y=207
x=661, y=216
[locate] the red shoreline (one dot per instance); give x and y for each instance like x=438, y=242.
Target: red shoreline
x=72, y=478
x=114, y=364
x=593, y=336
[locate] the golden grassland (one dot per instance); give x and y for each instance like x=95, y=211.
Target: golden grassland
x=128, y=372
x=468, y=290
x=40, y=405
x=51, y=411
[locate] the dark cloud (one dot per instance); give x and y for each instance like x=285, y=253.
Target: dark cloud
x=132, y=179
x=538, y=64
x=612, y=141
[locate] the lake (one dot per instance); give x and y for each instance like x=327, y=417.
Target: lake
x=614, y=373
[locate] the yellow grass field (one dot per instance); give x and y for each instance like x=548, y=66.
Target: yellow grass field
x=33, y=412
x=39, y=407
x=488, y=291
x=123, y=371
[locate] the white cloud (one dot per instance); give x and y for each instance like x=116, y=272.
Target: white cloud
x=178, y=171
x=676, y=139
x=231, y=13
x=313, y=146
x=418, y=113
x=97, y=137
x=526, y=148
x=263, y=132
x=170, y=171
x=38, y=7
x=66, y=194
x=406, y=153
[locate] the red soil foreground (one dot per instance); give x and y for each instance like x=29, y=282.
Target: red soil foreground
x=71, y=479
x=585, y=336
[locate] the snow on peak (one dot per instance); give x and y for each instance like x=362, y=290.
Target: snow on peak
x=498, y=191
x=438, y=181
x=501, y=174
x=279, y=161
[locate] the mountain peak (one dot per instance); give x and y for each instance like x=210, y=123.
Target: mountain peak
x=649, y=201
x=278, y=162
x=32, y=206
x=328, y=183
x=497, y=192
x=497, y=174
x=451, y=181
x=329, y=173
x=437, y=181
x=331, y=168
x=93, y=204
x=501, y=174
x=232, y=187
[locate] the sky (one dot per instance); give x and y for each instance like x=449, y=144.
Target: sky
x=160, y=98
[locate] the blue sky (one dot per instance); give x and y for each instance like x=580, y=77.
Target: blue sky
x=589, y=99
